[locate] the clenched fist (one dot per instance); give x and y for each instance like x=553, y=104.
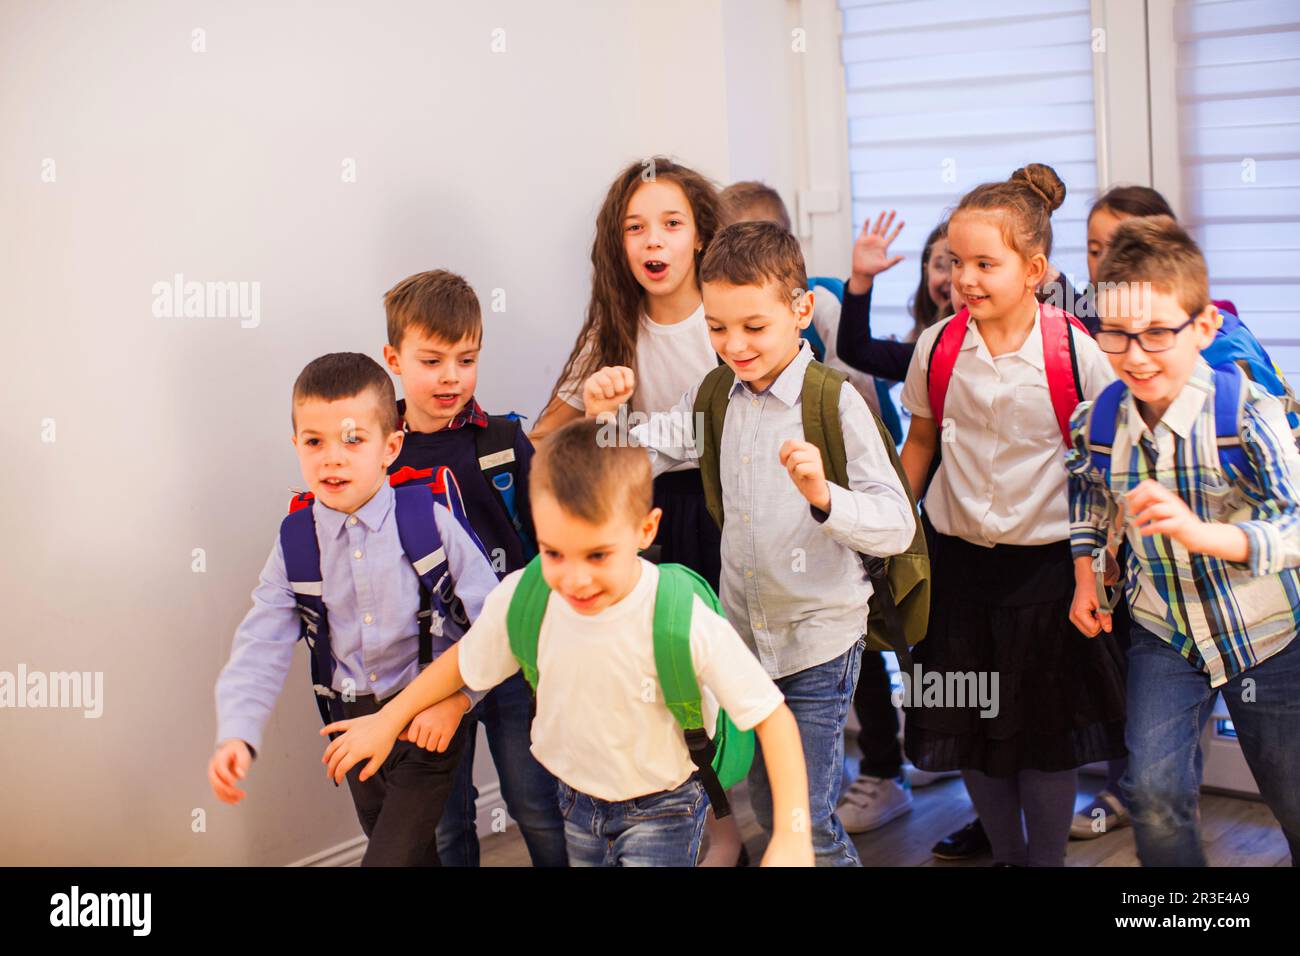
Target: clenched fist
x=606, y=389
x=804, y=463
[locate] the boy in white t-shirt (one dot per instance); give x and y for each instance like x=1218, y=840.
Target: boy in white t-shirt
x=629, y=791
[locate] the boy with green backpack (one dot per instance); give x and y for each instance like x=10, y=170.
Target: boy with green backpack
x=632, y=668
x=816, y=521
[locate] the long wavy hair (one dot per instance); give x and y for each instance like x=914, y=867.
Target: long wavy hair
x=925, y=311
x=614, y=310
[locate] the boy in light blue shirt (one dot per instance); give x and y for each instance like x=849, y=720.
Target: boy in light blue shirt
x=346, y=434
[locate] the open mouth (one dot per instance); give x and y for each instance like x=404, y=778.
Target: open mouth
x=973, y=300
x=1141, y=377
x=655, y=268
x=447, y=399
x=334, y=484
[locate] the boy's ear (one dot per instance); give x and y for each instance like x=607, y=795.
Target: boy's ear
x=393, y=447
x=803, y=307
x=649, y=528
x=392, y=360
x=1207, y=324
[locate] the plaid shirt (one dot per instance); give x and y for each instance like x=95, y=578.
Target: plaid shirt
x=471, y=414
x=1223, y=617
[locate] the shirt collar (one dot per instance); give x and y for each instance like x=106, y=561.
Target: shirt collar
x=1031, y=351
x=471, y=414
x=1183, y=411
x=789, y=384
x=372, y=514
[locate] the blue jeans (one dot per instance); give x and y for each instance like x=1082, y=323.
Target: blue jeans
x=526, y=786
x=1169, y=703
x=819, y=697
x=659, y=829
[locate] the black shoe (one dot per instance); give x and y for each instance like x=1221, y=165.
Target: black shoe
x=964, y=844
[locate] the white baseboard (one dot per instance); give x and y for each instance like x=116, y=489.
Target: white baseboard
x=490, y=804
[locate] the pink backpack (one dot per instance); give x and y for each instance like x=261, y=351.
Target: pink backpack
x=1059, y=362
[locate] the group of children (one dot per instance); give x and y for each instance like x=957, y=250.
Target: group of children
x=410, y=570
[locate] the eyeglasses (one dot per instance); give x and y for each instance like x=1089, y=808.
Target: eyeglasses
x=1116, y=341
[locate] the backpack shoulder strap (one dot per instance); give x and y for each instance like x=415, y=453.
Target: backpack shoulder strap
x=524, y=618
x=711, y=411
x=495, y=446
x=943, y=359
x=1229, y=404
x=301, y=552
x=1101, y=426
x=821, y=419
x=674, y=604
x=418, y=531
x=1061, y=364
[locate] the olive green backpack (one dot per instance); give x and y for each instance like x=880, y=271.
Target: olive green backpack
x=899, y=611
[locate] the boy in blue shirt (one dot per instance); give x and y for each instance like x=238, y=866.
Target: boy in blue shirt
x=346, y=435
x=1213, y=526
x=435, y=333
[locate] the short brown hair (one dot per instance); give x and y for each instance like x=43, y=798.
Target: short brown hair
x=344, y=375
x=753, y=200
x=592, y=479
x=1026, y=201
x=1157, y=250
x=754, y=253
x=439, y=303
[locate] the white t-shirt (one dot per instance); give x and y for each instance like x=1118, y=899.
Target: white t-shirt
x=826, y=320
x=601, y=725
x=670, y=360
x=1002, y=480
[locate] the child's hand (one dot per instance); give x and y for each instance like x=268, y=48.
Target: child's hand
x=788, y=848
x=1085, y=611
x=606, y=389
x=229, y=764
x=369, y=736
x=804, y=463
x=433, y=727
x=871, y=250
x=1154, y=509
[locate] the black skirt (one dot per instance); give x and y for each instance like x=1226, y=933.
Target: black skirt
x=687, y=535
x=1005, y=611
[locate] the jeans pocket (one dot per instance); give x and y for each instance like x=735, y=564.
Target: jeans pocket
x=566, y=797
x=852, y=662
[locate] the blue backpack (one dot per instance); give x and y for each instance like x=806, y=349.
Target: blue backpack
x=888, y=413
x=442, y=617
x=1235, y=344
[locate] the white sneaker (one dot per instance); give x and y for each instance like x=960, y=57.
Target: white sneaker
x=923, y=778
x=871, y=802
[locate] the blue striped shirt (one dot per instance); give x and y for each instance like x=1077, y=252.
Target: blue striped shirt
x=1222, y=616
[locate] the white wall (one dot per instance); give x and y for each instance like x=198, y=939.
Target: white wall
x=172, y=434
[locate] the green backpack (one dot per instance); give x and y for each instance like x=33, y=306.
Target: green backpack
x=722, y=761
x=899, y=611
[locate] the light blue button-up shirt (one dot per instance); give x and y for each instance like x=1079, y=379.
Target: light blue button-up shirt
x=371, y=594
x=792, y=582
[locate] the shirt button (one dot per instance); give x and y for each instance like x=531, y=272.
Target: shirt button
x=754, y=402
x=749, y=572
x=352, y=520
x=374, y=677
x=357, y=554
x=746, y=519
x=744, y=459
x=758, y=625
x=369, y=619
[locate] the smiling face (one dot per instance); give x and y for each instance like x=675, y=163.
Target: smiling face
x=1154, y=378
x=590, y=565
x=1101, y=230
x=659, y=237
x=755, y=328
x=342, y=449
x=438, y=377
x=991, y=278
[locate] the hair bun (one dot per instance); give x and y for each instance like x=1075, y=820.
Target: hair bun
x=1043, y=182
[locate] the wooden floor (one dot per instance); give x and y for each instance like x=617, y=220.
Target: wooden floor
x=1236, y=832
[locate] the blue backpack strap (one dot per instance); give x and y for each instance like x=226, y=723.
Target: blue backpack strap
x=1101, y=426
x=442, y=618
x=1228, y=382
x=302, y=566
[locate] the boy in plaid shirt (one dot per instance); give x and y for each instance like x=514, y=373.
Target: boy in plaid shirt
x=1213, y=566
